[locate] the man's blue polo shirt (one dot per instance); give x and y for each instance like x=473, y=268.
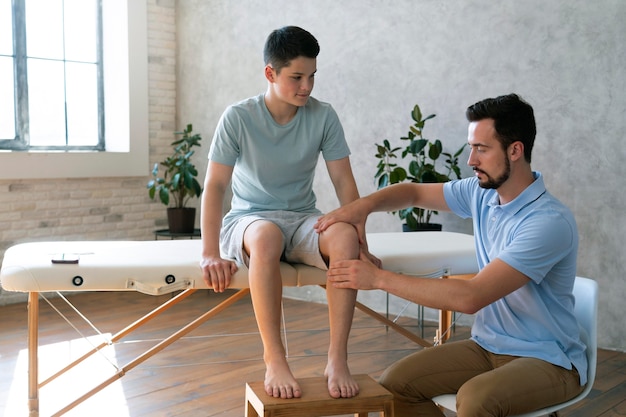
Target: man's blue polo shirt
x=537, y=235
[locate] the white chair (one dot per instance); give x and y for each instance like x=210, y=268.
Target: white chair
x=586, y=311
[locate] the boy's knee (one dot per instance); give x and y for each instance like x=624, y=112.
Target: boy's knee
x=263, y=232
x=341, y=227
x=342, y=232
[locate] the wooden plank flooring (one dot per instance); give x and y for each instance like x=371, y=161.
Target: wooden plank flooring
x=204, y=374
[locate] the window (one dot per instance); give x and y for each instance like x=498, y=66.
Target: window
x=57, y=61
x=86, y=111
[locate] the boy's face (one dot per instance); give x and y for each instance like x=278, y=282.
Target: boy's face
x=293, y=84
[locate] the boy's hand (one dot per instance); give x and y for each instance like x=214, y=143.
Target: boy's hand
x=217, y=272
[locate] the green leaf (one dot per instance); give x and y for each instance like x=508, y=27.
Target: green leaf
x=416, y=114
x=397, y=175
x=415, y=130
x=411, y=221
x=176, y=181
x=460, y=151
x=164, y=196
x=196, y=188
x=435, y=150
x=383, y=181
x=414, y=168
x=416, y=146
x=429, y=177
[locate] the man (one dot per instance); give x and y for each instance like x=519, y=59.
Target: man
x=525, y=351
x=269, y=145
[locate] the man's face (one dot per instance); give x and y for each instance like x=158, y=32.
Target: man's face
x=490, y=162
x=294, y=83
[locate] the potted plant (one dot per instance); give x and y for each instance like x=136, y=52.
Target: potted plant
x=178, y=183
x=422, y=155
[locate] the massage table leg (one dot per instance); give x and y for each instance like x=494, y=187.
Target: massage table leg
x=404, y=332
x=119, y=335
x=376, y=315
x=33, y=344
x=445, y=317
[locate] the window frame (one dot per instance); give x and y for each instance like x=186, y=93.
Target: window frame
x=126, y=104
x=22, y=140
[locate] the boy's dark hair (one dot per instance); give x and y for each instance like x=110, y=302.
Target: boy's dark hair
x=287, y=43
x=513, y=119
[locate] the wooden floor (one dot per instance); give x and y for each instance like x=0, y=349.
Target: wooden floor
x=204, y=374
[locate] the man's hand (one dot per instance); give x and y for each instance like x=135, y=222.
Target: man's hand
x=365, y=255
x=353, y=213
x=357, y=274
x=217, y=272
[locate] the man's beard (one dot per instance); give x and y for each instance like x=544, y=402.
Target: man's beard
x=495, y=183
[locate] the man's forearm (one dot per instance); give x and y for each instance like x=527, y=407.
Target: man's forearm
x=394, y=197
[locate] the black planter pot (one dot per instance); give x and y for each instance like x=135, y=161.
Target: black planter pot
x=430, y=227
x=181, y=220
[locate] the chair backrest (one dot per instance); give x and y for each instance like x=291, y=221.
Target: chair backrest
x=586, y=312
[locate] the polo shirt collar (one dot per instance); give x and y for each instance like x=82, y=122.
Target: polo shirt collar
x=530, y=194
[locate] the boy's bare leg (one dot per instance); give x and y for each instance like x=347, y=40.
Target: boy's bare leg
x=263, y=242
x=340, y=242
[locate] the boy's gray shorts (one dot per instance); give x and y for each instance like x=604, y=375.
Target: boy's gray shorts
x=300, y=240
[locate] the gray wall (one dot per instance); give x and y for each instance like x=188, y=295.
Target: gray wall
x=379, y=58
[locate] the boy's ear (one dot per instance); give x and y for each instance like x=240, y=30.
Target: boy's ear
x=270, y=74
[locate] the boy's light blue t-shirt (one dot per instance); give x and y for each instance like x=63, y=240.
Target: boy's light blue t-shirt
x=274, y=165
x=537, y=235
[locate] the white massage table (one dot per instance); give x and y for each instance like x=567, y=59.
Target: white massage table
x=161, y=267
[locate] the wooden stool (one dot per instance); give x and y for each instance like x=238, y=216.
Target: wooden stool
x=316, y=402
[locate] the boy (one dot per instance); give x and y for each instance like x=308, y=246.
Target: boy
x=269, y=145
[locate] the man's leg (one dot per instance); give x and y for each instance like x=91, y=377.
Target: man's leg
x=433, y=371
x=340, y=242
x=263, y=242
x=516, y=386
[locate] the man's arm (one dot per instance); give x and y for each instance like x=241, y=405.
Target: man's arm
x=394, y=197
x=340, y=172
x=467, y=296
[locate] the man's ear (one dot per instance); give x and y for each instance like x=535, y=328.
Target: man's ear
x=270, y=74
x=516, y=150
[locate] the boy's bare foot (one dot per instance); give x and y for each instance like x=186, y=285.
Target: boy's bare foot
x=279, y=381
x=341, y=384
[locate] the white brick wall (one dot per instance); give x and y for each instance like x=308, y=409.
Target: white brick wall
x=101, y=208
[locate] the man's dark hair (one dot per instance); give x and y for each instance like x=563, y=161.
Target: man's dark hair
x=288, y=43
x=513, y=119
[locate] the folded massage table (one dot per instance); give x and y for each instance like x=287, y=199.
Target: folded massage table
x=166, y=266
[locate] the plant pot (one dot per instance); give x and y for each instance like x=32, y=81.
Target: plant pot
x=181, y=220
x=429, y=227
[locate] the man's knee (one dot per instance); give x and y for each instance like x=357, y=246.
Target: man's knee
x=476, y=400
x=401, y=381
